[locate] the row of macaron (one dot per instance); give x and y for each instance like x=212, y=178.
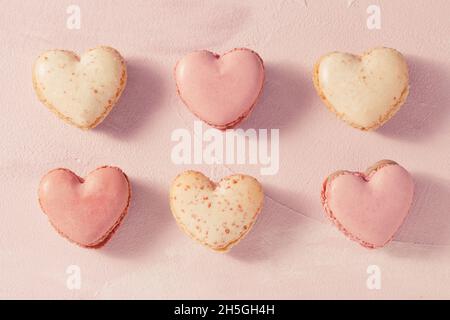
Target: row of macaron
x=363, y=90
x=368, y=207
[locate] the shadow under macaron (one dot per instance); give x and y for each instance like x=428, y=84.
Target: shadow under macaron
x=276, y=228
x=148, y=216
x=428, y=221
x=142, y=96
x=425, y=111
x=285, y=100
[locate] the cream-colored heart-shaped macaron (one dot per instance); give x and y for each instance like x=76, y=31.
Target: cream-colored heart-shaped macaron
x=365, y=91
x=80, y=90
x=217, y=215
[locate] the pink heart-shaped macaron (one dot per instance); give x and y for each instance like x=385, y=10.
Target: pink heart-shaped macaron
x=220, y=90
x=85, y=211
x=369, y=207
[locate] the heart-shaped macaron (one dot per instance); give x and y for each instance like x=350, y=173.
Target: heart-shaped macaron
x=85, y=211
x=217, y=215
x=220, y=90
x=364, y=91
x=369, y=207
x=80, y=90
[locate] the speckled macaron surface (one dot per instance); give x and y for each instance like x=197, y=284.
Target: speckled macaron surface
x=80, y=90
x=217, y=215
x=220, y=90
x=85, y=211
x=365, y=91
x=369, y=207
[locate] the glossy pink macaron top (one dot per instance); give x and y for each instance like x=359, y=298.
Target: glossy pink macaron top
x=369, y=208
x=85, y=211
x=220, y=90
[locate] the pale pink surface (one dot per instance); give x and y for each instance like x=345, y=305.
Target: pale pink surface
x=292, y=251
x=84, y=211
x=371, y=210
x=220, y=90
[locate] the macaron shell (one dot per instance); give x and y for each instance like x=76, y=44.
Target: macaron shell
x=81, y=91
x=369, y=207
x=220, y=90
x=85, y=211
x=216, y=215
x=365, y=91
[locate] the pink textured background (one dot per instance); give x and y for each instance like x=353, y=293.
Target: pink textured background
x=292, y=252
